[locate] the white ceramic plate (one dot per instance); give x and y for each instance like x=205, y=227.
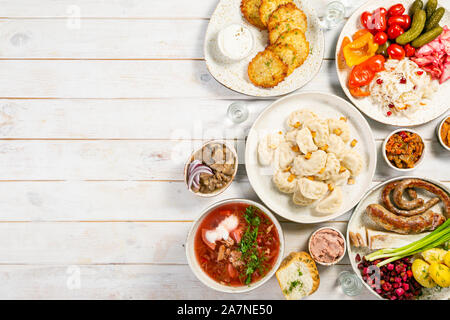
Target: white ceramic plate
x=273, y=119
x=358, y=221
x=439, y=103
x=234, y=75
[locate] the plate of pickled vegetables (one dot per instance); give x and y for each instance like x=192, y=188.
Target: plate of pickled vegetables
x=393, y=60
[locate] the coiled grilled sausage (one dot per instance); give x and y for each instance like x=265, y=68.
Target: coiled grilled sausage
x=421, y=208
x=404, y=225
x=418, y=183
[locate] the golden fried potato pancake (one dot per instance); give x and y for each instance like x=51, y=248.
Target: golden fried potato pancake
x=288, y=12
x=297, y=39
x=269, y=6
x=287, y=54
x=267, y=69
x=250, y=11
x=281, y=27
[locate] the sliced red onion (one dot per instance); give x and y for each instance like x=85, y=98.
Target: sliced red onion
x=195, y=169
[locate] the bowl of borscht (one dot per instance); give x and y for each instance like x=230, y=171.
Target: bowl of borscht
x=235, y=246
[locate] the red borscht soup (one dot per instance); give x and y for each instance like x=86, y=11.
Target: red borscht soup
x=236, y=244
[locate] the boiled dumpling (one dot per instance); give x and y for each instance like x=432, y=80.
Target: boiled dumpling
x=291, y=135
x=353, y=162
x=319, y=131
x=298, y=198
x=331, y=168
x=340, y=128
x=336, y=146
x=266, y=147
x=330, y=203
x=284, y=155
x=339, y=179
x=298, y=117
x=305, y=142
x=312, y=189
x=284, y=181
x=308, y=167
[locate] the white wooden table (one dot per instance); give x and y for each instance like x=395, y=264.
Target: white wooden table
x=97, y=116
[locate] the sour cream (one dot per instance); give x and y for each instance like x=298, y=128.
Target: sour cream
x=222, y=231
x=235, y=41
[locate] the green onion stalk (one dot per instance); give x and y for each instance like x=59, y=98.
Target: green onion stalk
x=432, y=240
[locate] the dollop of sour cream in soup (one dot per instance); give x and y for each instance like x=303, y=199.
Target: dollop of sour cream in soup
x=223, y=229
x=235, y=41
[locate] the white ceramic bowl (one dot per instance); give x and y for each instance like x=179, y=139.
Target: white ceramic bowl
x=218, y=191
x=418, y=163
x=331, y=263
x=203, y=277
x=438, y=133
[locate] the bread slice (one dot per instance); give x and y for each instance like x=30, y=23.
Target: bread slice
x=298, y=276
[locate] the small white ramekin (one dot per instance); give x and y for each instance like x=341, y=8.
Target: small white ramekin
x=438, y=133
x=324, y=263
x=419, y=162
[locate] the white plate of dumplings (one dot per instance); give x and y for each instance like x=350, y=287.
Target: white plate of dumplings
x=310, y=157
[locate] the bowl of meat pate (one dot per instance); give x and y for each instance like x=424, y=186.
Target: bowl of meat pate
x=327, y=246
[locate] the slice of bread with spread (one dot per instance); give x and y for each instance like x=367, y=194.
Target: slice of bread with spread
x=298, y=276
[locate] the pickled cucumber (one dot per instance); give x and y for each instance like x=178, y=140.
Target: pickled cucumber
x=427, y=37
x=417, y=5
x=417, y=25
x=433, y=21
x=430, y=7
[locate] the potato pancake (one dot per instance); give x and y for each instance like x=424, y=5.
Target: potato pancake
x=269, y=6
x=250, y=11
x=281, y=27
x=288, y=12
x=297, y=39
x=267, y=69
x=287, y=54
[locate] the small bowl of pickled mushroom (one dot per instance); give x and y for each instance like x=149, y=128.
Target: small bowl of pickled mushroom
x=210, y=170
x=403, y=150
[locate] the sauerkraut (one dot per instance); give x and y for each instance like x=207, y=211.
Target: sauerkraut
x=402, y=88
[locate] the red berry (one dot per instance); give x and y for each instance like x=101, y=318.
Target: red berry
x=358, y=258
x=419, y=73
x=399, y=292
x=403, y=80
x=379, y=81
x=390, y=266
x=405, y=286
x=389, y=113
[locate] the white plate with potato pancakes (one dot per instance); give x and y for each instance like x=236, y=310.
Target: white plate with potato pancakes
x=310, y=157
x=283, y=50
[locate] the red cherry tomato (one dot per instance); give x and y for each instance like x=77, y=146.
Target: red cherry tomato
x=409, y=50
x=396, y=10
x=403, y=21
x=379, y=21
x=396, y=51
x=380, y=38
x=394, y=31
x=366, y=20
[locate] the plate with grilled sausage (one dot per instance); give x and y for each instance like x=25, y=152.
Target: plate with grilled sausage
x=392, y=215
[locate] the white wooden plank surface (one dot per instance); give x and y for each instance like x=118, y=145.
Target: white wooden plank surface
x=132, y=119
x=109, y=96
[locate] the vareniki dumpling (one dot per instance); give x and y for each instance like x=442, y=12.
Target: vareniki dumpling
x=284, y=155
x=336, y=146
x=266, y=147
x=312, y=189
x=298, y=198
x=297, y=118
x=305, y=142
x=309, y=164
x=284, y=182
x=331, y=168
x=330, y=203
x=353, y=162
x=340, y=128
x=319, y=131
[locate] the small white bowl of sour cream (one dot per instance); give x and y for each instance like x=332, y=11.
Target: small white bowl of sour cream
x=235, y=42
